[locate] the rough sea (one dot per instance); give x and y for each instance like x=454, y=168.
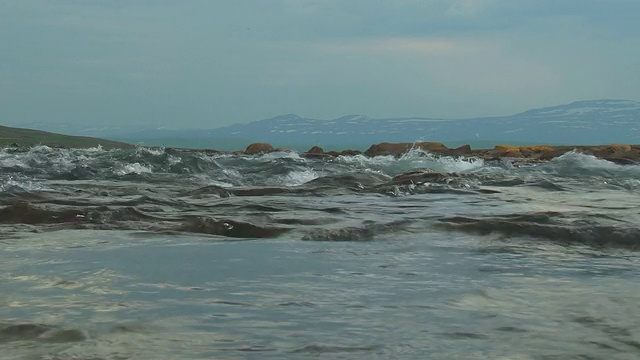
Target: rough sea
x=178, y=254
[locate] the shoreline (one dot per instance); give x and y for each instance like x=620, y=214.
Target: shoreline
x=621, y=154
x=618, y=153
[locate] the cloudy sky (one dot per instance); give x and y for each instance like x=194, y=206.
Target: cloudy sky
x=211, y=63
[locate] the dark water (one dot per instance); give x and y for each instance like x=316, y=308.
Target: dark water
x=154, y=254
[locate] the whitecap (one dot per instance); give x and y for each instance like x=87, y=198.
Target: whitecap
x=414, y=159
x=135, y=168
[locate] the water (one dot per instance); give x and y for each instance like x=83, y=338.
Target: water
x=154, y=254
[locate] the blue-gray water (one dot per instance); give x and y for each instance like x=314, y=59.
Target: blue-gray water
x=151, y=254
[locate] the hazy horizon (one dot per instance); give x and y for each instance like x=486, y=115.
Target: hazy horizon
x=206, y=64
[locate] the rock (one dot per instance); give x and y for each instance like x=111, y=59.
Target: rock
x=350, y=152
x=529, y=152
x=258, y=148
x=315, y=150
x=613, y=150
x=399, y=149
x=464, y=150
x=554, y=153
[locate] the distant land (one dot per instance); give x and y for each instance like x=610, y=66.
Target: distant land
x=27, y=137
x=590, y=122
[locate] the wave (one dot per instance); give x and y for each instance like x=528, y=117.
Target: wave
x=553, y=226
x=40, y=332
x=575, y=164
x=414, y=159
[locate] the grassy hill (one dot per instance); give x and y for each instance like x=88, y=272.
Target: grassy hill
x=27, y=137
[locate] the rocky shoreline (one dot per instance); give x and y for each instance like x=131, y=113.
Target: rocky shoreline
x=621, y=154
x=617, y=153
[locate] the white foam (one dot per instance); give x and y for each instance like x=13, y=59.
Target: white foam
x=152, y=151
x=576, y=163
x=414, y=159
x=20, y=184
x=281, y=155
x=135, y=168
x=295, y=178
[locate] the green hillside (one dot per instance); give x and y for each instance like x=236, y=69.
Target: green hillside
x=27, y=137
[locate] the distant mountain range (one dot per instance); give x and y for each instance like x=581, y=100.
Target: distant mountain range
x=590, y=122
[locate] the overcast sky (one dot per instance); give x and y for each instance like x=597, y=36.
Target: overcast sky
x=211, y=63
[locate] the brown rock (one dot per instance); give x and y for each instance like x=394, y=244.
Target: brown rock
x=259, y=148
x=529, y=152
x=315, y=150
x=464, y=150
x=500, y=151
x=350, y=152
x=398, y=149
x=613, y=150
x=554, y=152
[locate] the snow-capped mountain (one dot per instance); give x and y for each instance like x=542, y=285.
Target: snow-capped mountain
x=584, y=122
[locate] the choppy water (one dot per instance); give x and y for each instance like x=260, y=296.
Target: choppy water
x=154, y=254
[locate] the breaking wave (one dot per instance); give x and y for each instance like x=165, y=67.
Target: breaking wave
x=346, y=198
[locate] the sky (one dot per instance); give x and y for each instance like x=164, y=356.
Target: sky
x=211, y=63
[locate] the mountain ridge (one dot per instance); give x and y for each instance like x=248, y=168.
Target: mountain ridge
x=585, y=122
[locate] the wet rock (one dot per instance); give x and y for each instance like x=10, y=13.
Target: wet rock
x=259, y=148
x=464, y=150
x=399, y=149
x=502, y=151
x=615, y=152
x=315, y=150
x=230, y=228
x=350, y=152
x=554, y=153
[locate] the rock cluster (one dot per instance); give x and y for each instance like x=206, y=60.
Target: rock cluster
x=618, y=153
